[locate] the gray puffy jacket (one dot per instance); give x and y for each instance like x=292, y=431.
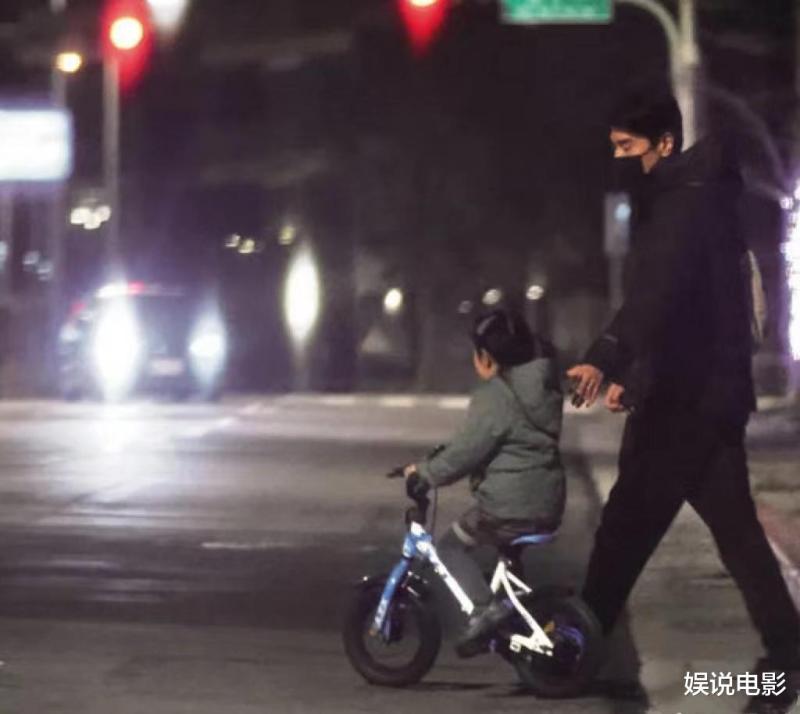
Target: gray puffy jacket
x=509, y=445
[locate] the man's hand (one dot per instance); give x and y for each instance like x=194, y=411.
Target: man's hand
x=409, y=470
x=613, y=399
x=588, y=379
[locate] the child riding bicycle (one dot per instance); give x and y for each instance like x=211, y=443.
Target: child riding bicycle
x=508, y=445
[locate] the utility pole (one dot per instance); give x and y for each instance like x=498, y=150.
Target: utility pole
x=111, y=153
x=58, y=97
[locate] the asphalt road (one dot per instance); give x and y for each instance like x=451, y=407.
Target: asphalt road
x=166, y=559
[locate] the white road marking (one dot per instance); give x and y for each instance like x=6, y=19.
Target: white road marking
x=200, y=432
x=454, y=403
x=247, y=546
x=398, y=402
x=339, y=400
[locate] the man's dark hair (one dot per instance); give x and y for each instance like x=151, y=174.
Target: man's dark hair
x=505, y=335
x=651, y=116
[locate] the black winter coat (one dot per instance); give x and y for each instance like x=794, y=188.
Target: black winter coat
x=682, y=335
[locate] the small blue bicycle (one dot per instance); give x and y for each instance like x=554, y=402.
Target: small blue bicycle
x=392, y=634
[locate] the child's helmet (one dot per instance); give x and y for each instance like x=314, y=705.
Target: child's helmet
x=505, y=335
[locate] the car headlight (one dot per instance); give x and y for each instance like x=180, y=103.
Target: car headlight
x=117, y=349
x=208, y=346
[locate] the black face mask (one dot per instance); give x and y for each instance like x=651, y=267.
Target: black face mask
x=627, y=174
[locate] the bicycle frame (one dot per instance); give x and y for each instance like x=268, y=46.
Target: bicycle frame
x=418, y=544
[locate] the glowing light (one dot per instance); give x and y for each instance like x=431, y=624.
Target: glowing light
x=787, y=203
x=535, y=292
x=116, y=350
x=89, y=217
x=79, y=216
x=69, y=62
x=302, y=296
x=465, y=307
x=35, y=145
x=791, y=251
x=288, y=234
x=127, y=39
x=126, y=33
x=247, y=247
x=623, y=212
x=168, y=14
x=116, y=290
x=233, y=241
x=493, y=296
x=423, y=20
x=393, y=301
x=112, y=290
x=208, y=346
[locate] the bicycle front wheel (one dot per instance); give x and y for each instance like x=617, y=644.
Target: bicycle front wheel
x=404, y=651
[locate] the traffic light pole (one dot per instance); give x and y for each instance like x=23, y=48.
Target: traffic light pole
x=56, y=293
x=57, y=218
x=684, y=56
x=111, y=159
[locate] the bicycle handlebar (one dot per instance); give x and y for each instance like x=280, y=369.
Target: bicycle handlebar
x=419, y=512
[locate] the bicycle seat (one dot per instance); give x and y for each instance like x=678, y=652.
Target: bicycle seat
x=534, y=539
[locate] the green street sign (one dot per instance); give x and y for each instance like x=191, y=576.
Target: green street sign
x=540, y=12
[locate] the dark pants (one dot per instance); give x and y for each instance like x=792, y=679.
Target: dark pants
x=669, y=457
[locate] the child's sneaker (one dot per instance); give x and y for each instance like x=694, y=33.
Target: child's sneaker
x=481, y=624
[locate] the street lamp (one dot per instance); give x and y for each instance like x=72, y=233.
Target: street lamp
x=69, y=62
x=393, y=301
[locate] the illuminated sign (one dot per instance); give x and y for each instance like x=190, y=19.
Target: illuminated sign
x=35, y=145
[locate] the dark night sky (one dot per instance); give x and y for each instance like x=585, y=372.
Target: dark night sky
x=535, y=99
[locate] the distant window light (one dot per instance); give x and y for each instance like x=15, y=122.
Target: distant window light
x=492, y=296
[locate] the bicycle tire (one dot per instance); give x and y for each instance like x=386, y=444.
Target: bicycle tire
x=406, y=607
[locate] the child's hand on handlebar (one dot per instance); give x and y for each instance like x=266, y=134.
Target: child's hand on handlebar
x=409, y=470
x=416, y=486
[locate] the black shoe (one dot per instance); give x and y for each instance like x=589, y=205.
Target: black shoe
x=481, y=624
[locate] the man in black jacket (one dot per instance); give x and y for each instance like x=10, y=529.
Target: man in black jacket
x=677, y=355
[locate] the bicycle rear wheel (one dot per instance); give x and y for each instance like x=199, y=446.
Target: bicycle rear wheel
x=577, y=638
x=404, y=651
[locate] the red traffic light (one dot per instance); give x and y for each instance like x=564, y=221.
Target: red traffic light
x=127, y=38
x=423, y=20
x=126, y=33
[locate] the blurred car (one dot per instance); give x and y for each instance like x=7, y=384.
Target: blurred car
x=139, y=337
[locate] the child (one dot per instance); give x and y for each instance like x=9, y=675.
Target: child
x=508, y=444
